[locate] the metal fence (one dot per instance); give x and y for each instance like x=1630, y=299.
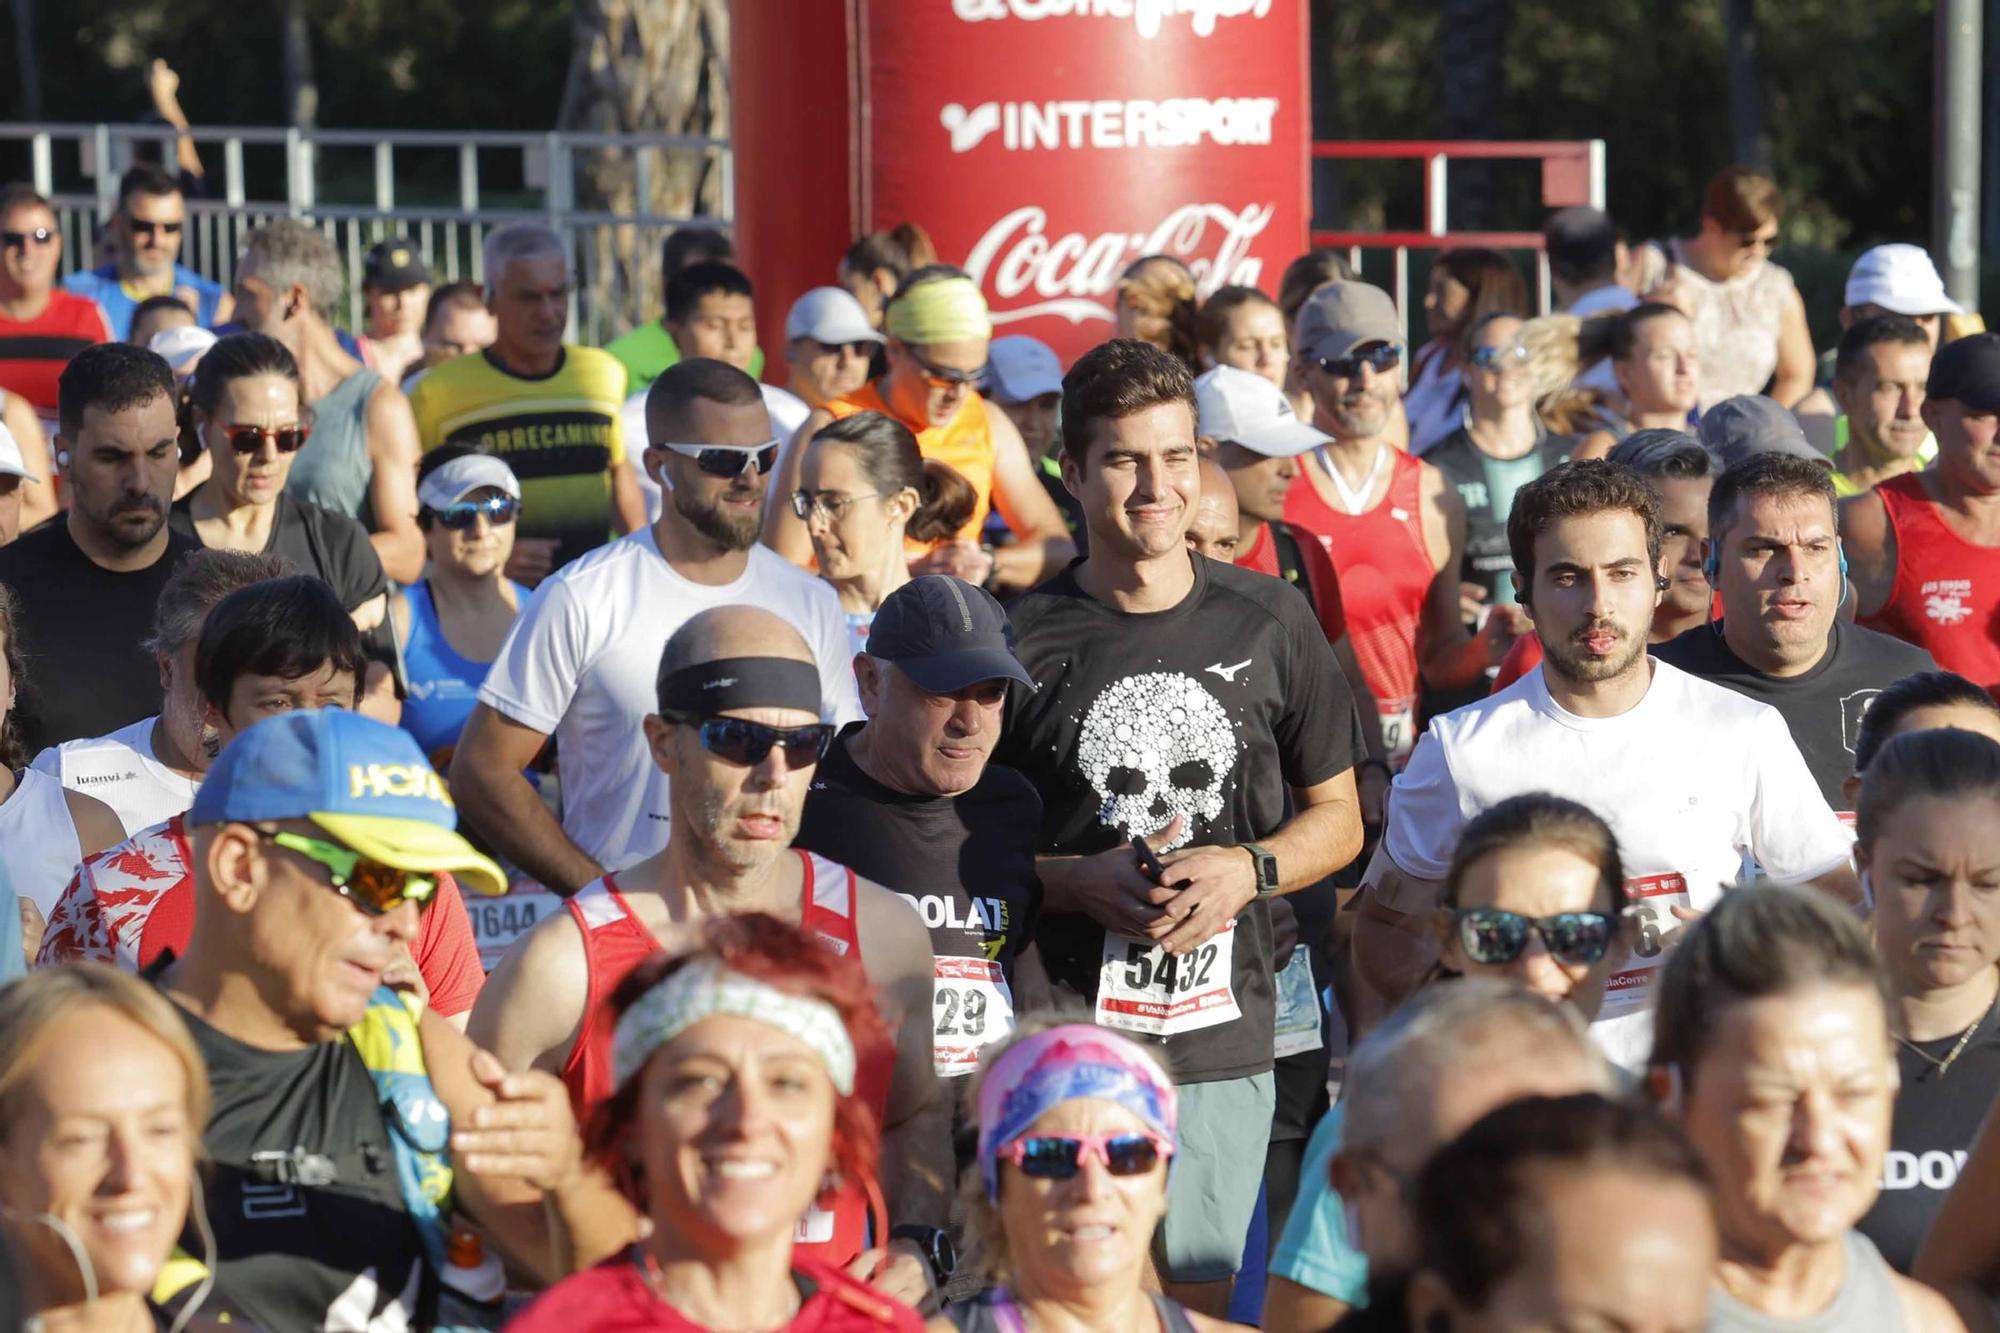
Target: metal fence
x=255, y=174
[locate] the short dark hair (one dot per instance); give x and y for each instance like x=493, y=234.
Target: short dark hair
x=1213, y=320
x=289, y=627
x=198, y=585
x=20, y=194
x=902, y=249
x=696, y=377
x=146, y=178
x=686, y=288
x=1117, y=379
x=1306, y=275
x=1757, y=941
x=1475, y=1199
x=1573, y=490
x=1766, y=474
x=1900, y=698
x=689, y=245
x=1873, y=332
x=1538, y=819
x=1625, y=328
x=163, y=302
x=239, y=356
x=110, y=377
x=1946, y=763
x=451, y=294
x=1582, y=246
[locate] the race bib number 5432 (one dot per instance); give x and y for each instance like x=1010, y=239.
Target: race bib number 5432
x=1143, y=988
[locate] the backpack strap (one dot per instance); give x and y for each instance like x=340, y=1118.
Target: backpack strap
x=1291, y=561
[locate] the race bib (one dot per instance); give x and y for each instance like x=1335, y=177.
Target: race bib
x=1653, y=898
x=971, y=1007
x=1143, y=988
x=498, y=922
x=1399, y=728
x=815, y=1227
x=1296, y=1025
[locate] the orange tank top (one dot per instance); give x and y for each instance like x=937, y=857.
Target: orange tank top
x=965, y=443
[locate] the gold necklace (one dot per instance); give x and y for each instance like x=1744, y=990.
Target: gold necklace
x=1943, y=1066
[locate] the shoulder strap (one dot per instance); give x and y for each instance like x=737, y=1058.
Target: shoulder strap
x=1291, y=560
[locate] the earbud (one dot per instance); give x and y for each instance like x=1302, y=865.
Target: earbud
x=69, y=1240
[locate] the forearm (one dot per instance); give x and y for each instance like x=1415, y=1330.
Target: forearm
x=1065, y=882
x=1453, y=659
x=1314, y=843
x=588, y=1221
x=1028, y=562
x=509, y=814
x=401, y=551
x=917, y=1165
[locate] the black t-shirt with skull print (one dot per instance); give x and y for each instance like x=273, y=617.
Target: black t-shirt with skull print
x=1210, y=710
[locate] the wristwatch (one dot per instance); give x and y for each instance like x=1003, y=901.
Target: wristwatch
x=937, y=1247
x=1266, y=866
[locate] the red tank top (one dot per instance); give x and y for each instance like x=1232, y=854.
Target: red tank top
x=615, y=941
x=1946, y=597
x=1385, y=574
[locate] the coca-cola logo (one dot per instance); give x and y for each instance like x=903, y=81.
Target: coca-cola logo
x=1148, y=15
x=1072, y=275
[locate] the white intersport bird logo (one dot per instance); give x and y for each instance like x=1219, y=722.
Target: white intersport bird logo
x=969, y=128
x=1228, y=673
x=1946, y=609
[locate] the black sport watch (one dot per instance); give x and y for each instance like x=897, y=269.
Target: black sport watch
x=937, y=1246
x=1266, y=866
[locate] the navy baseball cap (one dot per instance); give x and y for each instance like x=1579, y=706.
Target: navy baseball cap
x=945, y=634
x=1967, y=370
x=363, y=781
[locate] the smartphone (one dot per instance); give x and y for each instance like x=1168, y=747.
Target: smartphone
x=1149, y=862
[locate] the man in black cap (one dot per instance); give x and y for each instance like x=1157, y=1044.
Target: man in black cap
x=395, y=292
x=1923, y=548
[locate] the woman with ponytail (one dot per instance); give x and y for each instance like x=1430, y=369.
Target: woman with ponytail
x=864, y=488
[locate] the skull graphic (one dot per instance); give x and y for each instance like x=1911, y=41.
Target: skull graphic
x=1155, y=746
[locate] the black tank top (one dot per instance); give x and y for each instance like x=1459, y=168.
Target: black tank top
x=310, y=1227
x=1487, y=486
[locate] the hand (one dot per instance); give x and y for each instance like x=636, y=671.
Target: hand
x=32, y=927
x=527, y=1133
x=534, y=559
x=1687, y=916
x=1504, y=624
x=960, y=559
x=1114, y=891
x=1371, y=788
x=898, y=1271
x=1471, y=601
x=1284, y=933
x=1215, y=884
x=162, y=83
x=403, y=974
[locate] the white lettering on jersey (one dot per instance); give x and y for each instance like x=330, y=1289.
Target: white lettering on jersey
x=1933, y=1170
x=1946, y=600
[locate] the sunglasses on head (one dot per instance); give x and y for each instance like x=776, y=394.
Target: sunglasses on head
x=149, y=228
x=947, y=377
x=499, y=511
x=1381, y=360
x=1060, y=1157
x=1500, y=358
x=371, y=886
x=249, y=439
x=18, y=240
x=738, y=740
x=1492, y=936
x=730, y=460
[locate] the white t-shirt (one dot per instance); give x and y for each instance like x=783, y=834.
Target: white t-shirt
x=38, y=840
x=788, y=413
x=122, y=771
x=580, y=663
x=1692, y=780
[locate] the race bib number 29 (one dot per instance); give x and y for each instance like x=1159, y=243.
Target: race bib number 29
x=971, y=1007
x=1143, y=988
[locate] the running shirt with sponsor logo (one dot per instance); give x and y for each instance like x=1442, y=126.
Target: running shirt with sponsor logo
x=1946, y=594
x=122, y=770
x=1824, y=706
x=1692, y=779
x=1937, y=1118
x=1209, y=711
x=965, y=862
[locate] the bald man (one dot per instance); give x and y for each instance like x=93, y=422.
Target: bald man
x=738, y=733
x=1213, y=531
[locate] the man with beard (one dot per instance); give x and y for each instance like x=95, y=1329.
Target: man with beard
x=1878, y=381
x=147, y=232
x=87, y=584
x=1690, y=776
x=579, y=663
x=738, y=731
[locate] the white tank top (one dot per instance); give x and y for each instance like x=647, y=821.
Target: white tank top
x=38, y=839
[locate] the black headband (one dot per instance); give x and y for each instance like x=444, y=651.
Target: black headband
x=708, y=688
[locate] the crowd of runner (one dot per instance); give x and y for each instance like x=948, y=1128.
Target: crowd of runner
x=949, y=875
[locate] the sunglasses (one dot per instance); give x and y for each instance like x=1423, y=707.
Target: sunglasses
x=18, y=240
x=728, y=461
x=1492, y=936
x=945, y=377
x=862, y=350
x=737, y=740
x=498, y=510
x=371, y=886
x=1500, y=358
x=1381, y=360
x=249, y=439
x=1060, y=1157
x=150, y=228
x=827, y=505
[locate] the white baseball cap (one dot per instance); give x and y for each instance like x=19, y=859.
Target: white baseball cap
x=1020, y=368
x=11, y=462
x=462, y=476
x=1899, y=278
x=1246, y=409
x=830, y=315
x=181, y=345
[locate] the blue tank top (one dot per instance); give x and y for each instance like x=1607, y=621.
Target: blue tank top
x=444, y=684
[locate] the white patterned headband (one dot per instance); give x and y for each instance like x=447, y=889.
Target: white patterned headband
x=704, y=989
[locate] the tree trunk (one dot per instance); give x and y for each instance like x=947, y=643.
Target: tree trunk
x=1747, y=142
x=301, y=89
x=1472, y=41
x=27, y=65
x=639, y=66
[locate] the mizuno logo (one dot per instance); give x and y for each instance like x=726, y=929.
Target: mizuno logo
x=1228, y=673
x=720, y=683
